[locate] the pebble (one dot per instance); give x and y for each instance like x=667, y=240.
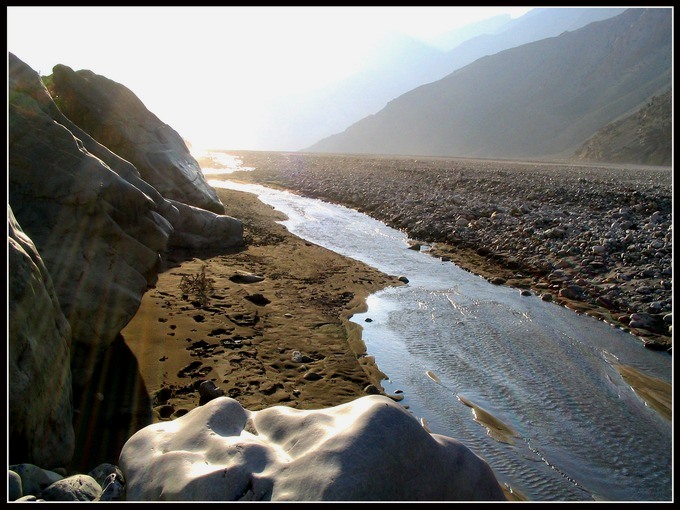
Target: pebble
x=298, y=357
x=208, y=391
x=73, y=488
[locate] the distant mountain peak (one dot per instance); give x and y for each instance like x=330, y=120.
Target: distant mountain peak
x=541, y=99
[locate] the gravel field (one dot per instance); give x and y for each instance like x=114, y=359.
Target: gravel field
x=598, y=239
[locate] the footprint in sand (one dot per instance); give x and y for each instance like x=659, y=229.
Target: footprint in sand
x=258, y=299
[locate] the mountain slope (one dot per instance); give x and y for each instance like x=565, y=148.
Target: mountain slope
x=390, y=69
x=539, y=99
x=452, y=39
x=643, y=137
x=399, y=65
x=535, y=25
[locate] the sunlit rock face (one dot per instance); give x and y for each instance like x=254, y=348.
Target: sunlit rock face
x=23, y=84
x=370, y=449
x=40, y=411
x=115, y=117
x=99, y=235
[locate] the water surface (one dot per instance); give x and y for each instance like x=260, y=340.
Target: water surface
x=530, y=386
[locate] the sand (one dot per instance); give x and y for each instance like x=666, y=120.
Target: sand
x=272, y=330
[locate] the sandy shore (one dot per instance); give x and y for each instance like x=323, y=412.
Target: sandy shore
x=273, y=329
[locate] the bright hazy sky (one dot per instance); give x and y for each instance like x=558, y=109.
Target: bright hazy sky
x=209, y=72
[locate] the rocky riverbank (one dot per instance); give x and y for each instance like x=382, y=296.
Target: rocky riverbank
x=597, y=239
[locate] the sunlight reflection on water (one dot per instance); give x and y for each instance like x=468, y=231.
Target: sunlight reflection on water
x=221, y=163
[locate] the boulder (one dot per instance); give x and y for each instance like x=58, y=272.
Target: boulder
x=115, y=117
x=40, y=410
x=98, y=234
x=370, y=449
x=25, y=81
x=14, y=487
x=73, y=488
x=34, y=479
x=197, y=229
x=189, y=227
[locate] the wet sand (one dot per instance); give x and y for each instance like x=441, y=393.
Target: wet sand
x=274, y=329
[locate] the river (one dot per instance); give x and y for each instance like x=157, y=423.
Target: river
x=530, y=386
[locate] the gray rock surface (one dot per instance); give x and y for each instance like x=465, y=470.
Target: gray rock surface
x=14, y=487
x=370, y=449
x=198, y=229
x=198, y=226
x=96, y=231
x=115, y=117
x=33, y=478
x=73, y=488
x=113, y=489
x=40, y=410
x=102, y=472
x=98, y=234
x=23, y=81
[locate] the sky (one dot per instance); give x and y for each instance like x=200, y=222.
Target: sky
x=211, y=72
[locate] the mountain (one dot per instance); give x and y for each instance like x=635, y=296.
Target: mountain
x=643, y=137
x=400, y=64
x=452, y=39
x=535, y=25
x=540, y=99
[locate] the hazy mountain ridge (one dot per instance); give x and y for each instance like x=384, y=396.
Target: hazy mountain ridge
x=535, y=25
x=452, y=39
x=399, y=65
x=394, y=67
x=537, y=100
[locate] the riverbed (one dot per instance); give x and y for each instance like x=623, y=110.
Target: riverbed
x=543, y=394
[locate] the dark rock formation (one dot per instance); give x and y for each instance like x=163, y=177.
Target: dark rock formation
x=38, y=365
x=85, y=245
x=98, y=234
x=116, y=118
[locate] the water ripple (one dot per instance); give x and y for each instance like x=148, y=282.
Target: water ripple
x=581, y=432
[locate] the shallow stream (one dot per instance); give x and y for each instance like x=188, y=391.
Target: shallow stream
x=532, y=387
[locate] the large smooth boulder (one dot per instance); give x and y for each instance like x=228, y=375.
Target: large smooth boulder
x=188, y=226
x=370, y=449
x=114, y=116
x=26, y=84
x=99, y=235
x=40, y=410
x=198, y=229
